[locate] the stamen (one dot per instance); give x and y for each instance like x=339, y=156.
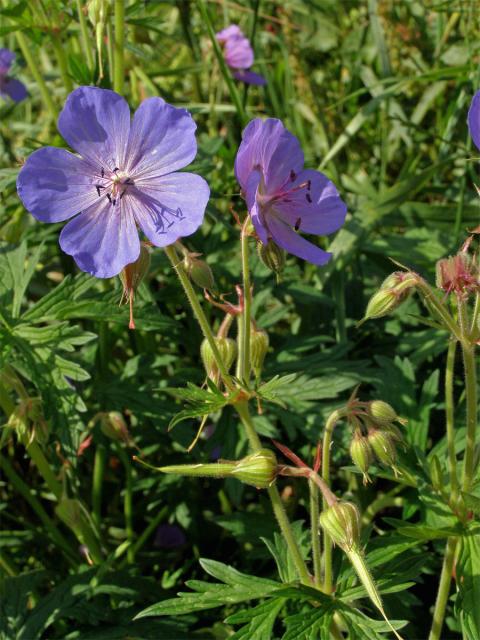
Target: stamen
x=293, y=175
x=309, y=185
x=297, y=224
x=102, y=172
x=109, y=198
x=115, y=170
x=98, y=187
x=309, y=197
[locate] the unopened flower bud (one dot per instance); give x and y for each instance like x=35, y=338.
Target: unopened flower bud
x=436, y=474
x=459, y=274
x=361, y=453
x=258, y=349
x=132, y=275
x=198, y=271
x=258, y=469
x=383, y=445
x=342, y=523
x=113, y=426
x=393, y=291
x=272, y=256
x=228, y=352
x=383, y=413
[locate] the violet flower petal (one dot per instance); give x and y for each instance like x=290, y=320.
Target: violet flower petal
x=102, y=240
x=6, y=59
x=251, y=196
x=232, y=31
x=288, y=239
x=474, y=119
x=267, y=144
x=162, y=140
x=54, y=184
x=15, y=89
x=170, y=207
x=96, y=123
x=323, y=214
x=250, y=77
x=238, y=53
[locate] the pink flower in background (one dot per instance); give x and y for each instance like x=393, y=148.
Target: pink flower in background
x=238, y=54
x=10, y=87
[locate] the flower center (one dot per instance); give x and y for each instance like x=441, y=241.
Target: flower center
x=112, y=184
x=282, y=193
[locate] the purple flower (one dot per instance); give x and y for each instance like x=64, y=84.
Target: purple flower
x=169, y=536
x=10, y=87
x=238, y=54
x=124, y=178
x=282, y=197
x=474, y=119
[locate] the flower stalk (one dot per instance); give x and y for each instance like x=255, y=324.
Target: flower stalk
x=119, y=47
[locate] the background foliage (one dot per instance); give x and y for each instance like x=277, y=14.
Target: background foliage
x=377, y=93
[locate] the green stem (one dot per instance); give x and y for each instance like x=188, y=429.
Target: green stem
x=97, y=483
x=327, y=541
x=315, y=533
x=43, y=466
x=234, y=94
x=25, y=491
x=147, y=532
x=87, y=47
x=62, y=61
x=439, y=308
x=119, y=44
x=277, y=504
x=449, y=417
x=247, y=306
x=35, y=71
x=128, y=503
x=7, y=565
x=468, y=351
x=198, y=312
x=443, y=589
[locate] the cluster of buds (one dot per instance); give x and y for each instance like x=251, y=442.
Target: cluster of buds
x=258, y=470
x=28, y=422
x=393, y=291
x=375, y=434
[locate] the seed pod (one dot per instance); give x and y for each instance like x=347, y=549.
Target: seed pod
x=258, y=349
x=383, y=445
x=361, y=453
x=272, y=256
x=393, y=291
x=228, y=351
x=342, y=523
x=258, y=470
x=132, y=275
x=198, y=271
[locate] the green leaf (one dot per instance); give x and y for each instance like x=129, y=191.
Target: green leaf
x=13, y=602
x=468, y=582
x=259, y=619
x=202, y=401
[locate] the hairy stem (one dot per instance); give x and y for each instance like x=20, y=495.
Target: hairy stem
x=443, y=589
x=327, y=541
x=198, y=312
x=97, y=483
x=128, y=502
x=315, y=533
x=119, y=47
x=449, y=417
x=247, y=308
x=468, y=351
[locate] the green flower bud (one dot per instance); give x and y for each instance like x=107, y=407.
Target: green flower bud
x=258, y=349
x=259, y=469
x=198, y=271
x=361, y=453
x=393, y=291
x=383, y=445
x=436, y=473
x=113, y=425
x=382, y=412
x=272, y=256
x=342, y=523
x=228, y=351
x=28, y=421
